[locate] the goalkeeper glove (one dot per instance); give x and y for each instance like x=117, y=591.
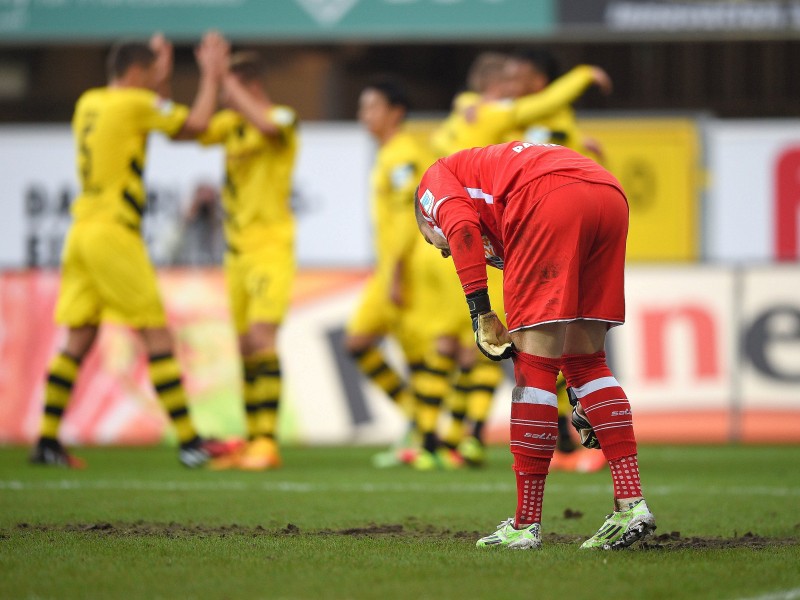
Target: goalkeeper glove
x=490, y=335
x=581, y=423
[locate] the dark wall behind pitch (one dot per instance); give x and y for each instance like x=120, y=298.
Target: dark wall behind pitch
x=730, y=79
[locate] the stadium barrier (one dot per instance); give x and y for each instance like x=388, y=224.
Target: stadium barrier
x=708, y=355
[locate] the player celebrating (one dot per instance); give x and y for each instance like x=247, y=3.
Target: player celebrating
x=106, y=271
x=556, y=222
x=260, y=141
x=401, y=275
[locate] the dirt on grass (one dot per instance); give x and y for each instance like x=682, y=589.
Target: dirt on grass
x=665, y=541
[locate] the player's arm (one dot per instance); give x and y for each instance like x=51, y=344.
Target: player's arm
x=462, y=230
x=212, y=58
x=270, y=120
x=403, y=233
x=162, y=48
x=564, y=90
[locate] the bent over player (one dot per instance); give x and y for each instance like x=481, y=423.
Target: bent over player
x=106, y=271
x=556, y=222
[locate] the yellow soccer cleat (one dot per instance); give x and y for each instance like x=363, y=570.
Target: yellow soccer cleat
x=261, y=454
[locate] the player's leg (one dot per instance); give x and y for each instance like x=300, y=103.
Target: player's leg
x=78, y=308
x=260, y=291
x=608, y=410
x=601, y=238
x=364, y=333
x=166, y=375
x=127, y=284
x=534, y=417
x=456, y=403
x=61, y=375
x=262, y=400
x=431, y=385
x=484, y=379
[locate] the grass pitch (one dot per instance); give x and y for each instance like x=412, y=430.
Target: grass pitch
x=137, y=525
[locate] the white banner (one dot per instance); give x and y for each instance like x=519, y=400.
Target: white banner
x=753, y=205
x=676, y=350
x=330, y=193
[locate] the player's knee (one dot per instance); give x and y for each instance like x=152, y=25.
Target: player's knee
x=356, y=345
x=157, y=341
x=581, y=368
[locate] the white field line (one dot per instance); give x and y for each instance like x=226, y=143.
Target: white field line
x=427, y=487
x=782, y=595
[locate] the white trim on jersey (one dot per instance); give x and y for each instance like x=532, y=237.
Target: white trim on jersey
x=479, y=193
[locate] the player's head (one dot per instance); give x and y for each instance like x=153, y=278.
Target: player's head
x=382, y=107
x=531, y=70
x=131, y=62
x=487, y=73
x=433, y=235
x=247, y=66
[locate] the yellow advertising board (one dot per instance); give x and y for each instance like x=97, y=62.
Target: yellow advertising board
x=657, y=160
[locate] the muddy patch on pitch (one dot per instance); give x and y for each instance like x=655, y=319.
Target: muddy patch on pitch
x=665, y=541
x=180, y=530
x=674, y=541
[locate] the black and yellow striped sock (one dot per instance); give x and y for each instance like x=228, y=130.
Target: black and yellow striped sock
x=61, y=378
x=372, y=363
x=251, y=400
x=431, y=385
x=457, y=405
x=267, y=394
x=165, y=373
x=485, y=378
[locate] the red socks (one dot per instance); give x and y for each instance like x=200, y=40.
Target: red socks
x=625, y=474
x=534, y=430
x=608, y=410
x=606, y=406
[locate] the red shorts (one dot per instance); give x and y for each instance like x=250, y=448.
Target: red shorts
x=564, y=245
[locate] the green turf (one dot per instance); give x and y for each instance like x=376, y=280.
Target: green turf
x=328, y=525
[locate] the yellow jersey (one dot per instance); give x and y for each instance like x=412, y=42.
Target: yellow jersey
x=256, y=197
x=110, y=126
x=474, y=122
x=398, y=168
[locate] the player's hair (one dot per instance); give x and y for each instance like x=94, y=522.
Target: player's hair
x=485, y=69
x=392, y=90
x=417, y=208
x=542, y=59
x=125, y=54
x=247, y=65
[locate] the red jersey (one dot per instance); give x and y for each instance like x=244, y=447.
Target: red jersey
x=472, y=188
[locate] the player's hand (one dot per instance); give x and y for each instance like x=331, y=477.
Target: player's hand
x=602, y=80
x=595, y=147
x=213, y=54
x=492, y=337
x=162, y=48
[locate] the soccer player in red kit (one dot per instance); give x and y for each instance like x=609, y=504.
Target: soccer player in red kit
x=556, y=223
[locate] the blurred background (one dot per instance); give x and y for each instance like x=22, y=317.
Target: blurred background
x=702, y=129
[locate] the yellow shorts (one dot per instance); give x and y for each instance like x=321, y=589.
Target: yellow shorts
x=377, y=315
x=260, y=284
x=107, y=274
